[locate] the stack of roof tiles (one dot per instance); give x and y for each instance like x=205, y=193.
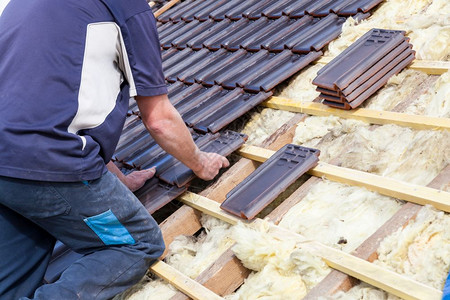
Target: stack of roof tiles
x=363, y=68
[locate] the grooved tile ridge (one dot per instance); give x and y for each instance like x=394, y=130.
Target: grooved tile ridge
x=274, y=176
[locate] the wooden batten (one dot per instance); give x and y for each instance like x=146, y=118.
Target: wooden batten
x=165, y=7
x=255, y=153
x=362, y=114
x=383, y=185
x=207, y=206
x=183, y=283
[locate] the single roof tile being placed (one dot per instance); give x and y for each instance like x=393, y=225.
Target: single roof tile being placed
x=273, y=177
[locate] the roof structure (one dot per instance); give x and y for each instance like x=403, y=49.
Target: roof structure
x=223, y=58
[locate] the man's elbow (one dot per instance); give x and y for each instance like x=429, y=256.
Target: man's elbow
x=159, y=127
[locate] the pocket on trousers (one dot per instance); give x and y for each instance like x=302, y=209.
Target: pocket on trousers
x=109, y=229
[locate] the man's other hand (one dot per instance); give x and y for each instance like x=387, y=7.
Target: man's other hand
x=135, y=180
x=209, y=165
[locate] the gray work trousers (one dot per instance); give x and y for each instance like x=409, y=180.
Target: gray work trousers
x=100, y=218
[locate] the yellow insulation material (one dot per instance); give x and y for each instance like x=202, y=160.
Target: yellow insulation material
x=147, y=289
x=192, y=255
x=436, y=101
x=426, y=22
x=264, y=123
x=338, y=215
x=282, y=270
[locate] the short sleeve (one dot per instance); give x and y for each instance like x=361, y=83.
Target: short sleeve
x=144, y=54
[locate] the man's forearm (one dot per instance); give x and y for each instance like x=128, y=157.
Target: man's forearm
x=169, y=130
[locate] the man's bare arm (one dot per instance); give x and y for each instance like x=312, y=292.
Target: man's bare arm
x=167, y=127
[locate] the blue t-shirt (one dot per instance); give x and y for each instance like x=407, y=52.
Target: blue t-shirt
x=67, y=71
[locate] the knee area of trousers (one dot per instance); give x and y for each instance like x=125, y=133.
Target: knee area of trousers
x=155, y=243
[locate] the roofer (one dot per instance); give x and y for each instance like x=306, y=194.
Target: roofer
x=67, y=70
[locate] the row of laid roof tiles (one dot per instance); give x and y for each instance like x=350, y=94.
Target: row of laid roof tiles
x=299, y=35
x=254, y=72
x=221, y=64
x=205, y=109
x=211, y=89
x=203, y=10
x=137, y=150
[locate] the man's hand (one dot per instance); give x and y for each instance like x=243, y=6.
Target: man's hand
x=135, y=180
x=209, y=165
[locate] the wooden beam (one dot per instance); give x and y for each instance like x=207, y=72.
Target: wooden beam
x=431, y=67
x=415, y=93
x=362, y=114
x=383, y=185
x=363, y=270
x=166, y=7
x=285, y=134
x=223, y=277
x=183, y=283
x=231, y=178
x=184, y=221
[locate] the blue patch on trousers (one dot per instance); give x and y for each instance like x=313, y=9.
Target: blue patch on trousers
x=109, y=229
